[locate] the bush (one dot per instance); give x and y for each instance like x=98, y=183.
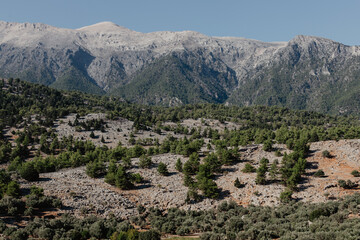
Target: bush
x=286, y=196
x=162, y=169
x=28, y=172
x=179, y=165
x=326, y=154
x=267, y=146
x=137, y=178
x=149, y=235
x=346, y=184
x=95, y=169
x=355, y=173
x=13, y=189
x=145, y=162
x=37, y=191
x=278, y=153
x=248, y=168
x=319, y=173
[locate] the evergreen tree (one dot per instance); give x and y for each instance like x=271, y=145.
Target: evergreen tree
x=274, y=169
x=123, y=179
x=162, y=169
x=95, y=169
x=267, y=146
x=237, y=183
x=92, y=134
x=28, y=172
x=145, y=161
x=261, y=171
x=179, y=165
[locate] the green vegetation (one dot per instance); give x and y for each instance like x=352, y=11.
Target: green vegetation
x=162, y=169
x=326, y=154
x=355, y=173
x=261, y=171
x=248, y=168
x=207, y=152
x=179, y=165
x=319, y=173
x=237, y=183
x=346, y=184
x=172, y=79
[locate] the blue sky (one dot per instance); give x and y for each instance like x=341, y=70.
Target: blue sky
x=266, y=20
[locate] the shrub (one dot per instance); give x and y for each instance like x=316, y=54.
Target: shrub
x=248, y=168
x=278, y=153
x=95, y=169
x=355, y=173
x=319, y=173
x=267, y=146
x=137, y=178
x=286, y=196
x=346, y=184
x=28, y=172
x=13, y=189
x=37, y=191
x=145, y=162
x=326, y=154
x=179, y=165
x=162, y=169
x=149, y=235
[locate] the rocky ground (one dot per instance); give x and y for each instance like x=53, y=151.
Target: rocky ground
x=84, y=195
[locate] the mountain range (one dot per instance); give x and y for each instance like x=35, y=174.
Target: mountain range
x=173, y=68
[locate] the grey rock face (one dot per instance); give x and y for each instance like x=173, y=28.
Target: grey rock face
x=301, y=73
x=111, y=54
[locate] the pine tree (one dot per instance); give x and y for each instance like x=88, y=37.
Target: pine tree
x=92, y=134
x=179, y=165
x=274, y=169
x=237, y=183
x=261, y=171
x=123, y=179
x=162, y=169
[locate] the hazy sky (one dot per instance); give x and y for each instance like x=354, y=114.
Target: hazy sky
x=266, y=20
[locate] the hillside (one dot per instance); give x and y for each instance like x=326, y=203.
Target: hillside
x=174, y=68
x=80, y=166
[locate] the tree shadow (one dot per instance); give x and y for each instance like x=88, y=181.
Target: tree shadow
x=312, y=165
x=142, y=186
x=304, y=187
x=223, y=194
x=44, y=179
x=171, y=174
x=229, y=169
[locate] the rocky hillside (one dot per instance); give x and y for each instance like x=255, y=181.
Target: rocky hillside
x=172, y=68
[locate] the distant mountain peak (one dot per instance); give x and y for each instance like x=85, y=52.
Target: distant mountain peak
x=307, y=72
x=306, y=39
x=104, y=27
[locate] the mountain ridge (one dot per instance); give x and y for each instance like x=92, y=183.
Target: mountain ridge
x=301, y=73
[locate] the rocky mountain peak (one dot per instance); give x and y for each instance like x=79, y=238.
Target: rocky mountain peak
x=104, y=27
